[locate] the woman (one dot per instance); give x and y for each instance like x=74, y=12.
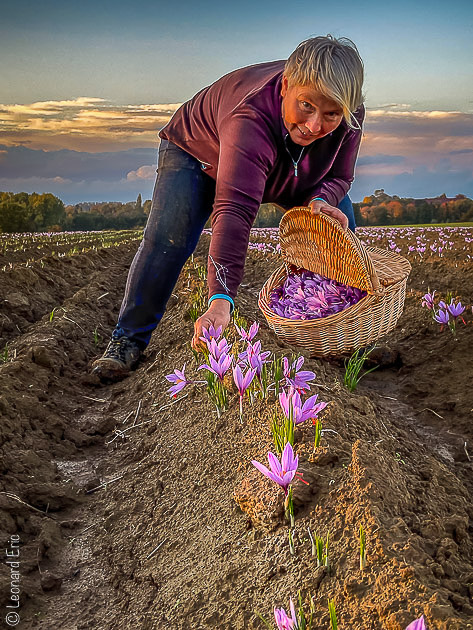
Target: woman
x=286, y=132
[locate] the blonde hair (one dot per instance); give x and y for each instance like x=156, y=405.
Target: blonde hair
x=333, y=67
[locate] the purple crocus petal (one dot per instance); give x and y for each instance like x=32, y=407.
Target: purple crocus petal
x=179, y=379
x=242, y=382
x=298, y=363
x=274, y=463
x=288, y=461
x=219, y=367
x=418, y=624
x=172, y=391
x=242, y=332
x=285, y=401
x=211, y=333
x=442, y=317
x=285, y=365
x=303, y=377
x=261, y=467
x=218, y=348
x=177, y=376
x=455, y=310
x=293, y=611
x=253, y=331
x=283, y=622
x=286, y=479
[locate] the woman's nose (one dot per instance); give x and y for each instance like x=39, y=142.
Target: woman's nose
x=314, y=124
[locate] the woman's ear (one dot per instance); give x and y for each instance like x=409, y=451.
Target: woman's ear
x=284, y=86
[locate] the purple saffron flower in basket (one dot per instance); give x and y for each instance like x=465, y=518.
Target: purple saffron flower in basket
x=282, y=472
x=418, y=624
x=455, y=310
x=218, y=367
x=283, y=621
x=179, y=379
x=310, y=296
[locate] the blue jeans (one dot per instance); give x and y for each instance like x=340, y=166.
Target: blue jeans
x=182, y=202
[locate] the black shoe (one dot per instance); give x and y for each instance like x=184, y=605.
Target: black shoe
x=120, y=357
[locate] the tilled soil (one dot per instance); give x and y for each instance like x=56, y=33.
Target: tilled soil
x=135, y=510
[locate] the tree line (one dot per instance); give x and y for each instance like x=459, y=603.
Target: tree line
x=23, y=212
x=382, y=209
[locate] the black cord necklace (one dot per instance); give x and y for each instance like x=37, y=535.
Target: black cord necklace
x=295, y=162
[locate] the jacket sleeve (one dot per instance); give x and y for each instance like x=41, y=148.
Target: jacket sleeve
x=245, y=159
x=336, y=184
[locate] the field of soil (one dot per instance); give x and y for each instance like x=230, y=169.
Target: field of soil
x=135, y=510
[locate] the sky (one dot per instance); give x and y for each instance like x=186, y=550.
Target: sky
x=86, y=86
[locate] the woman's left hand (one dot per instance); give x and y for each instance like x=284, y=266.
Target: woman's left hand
x=317, y=207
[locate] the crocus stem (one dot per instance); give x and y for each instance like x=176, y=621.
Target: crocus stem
x=241, y=409
x=289, y=507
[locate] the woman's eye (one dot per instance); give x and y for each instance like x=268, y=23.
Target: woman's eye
x=306, y=105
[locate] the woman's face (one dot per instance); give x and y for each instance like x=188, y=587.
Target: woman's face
x=307, y=114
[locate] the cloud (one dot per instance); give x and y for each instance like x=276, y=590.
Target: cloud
x=380, y=158
x=84, y=122
x=460, y=152
x=144, y=172
x=88, y=148
x=21, y=162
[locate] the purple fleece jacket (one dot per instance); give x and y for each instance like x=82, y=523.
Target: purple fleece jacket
x=235, y=128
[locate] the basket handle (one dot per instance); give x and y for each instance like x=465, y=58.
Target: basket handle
x=355, y=243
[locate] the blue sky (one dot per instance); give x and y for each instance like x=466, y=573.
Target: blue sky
x=99, y=79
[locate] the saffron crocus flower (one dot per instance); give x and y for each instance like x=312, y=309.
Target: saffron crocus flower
x=210, y=333
x=242, y=382
x=179, y=379
x=255, y=357
x=218, y=348
x=455, y=310
x=251, y=334
x=282, y=472
x=300, y=412
x=428, y=300
x=418, y=624
x=283, y=621
x=218, y=367
x=301, y=377
x=442, y=317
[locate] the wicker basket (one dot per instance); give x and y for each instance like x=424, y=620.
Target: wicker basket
x=319, y=244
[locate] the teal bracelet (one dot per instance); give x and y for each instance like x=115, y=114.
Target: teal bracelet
x=317, y=199
x=223, y=297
